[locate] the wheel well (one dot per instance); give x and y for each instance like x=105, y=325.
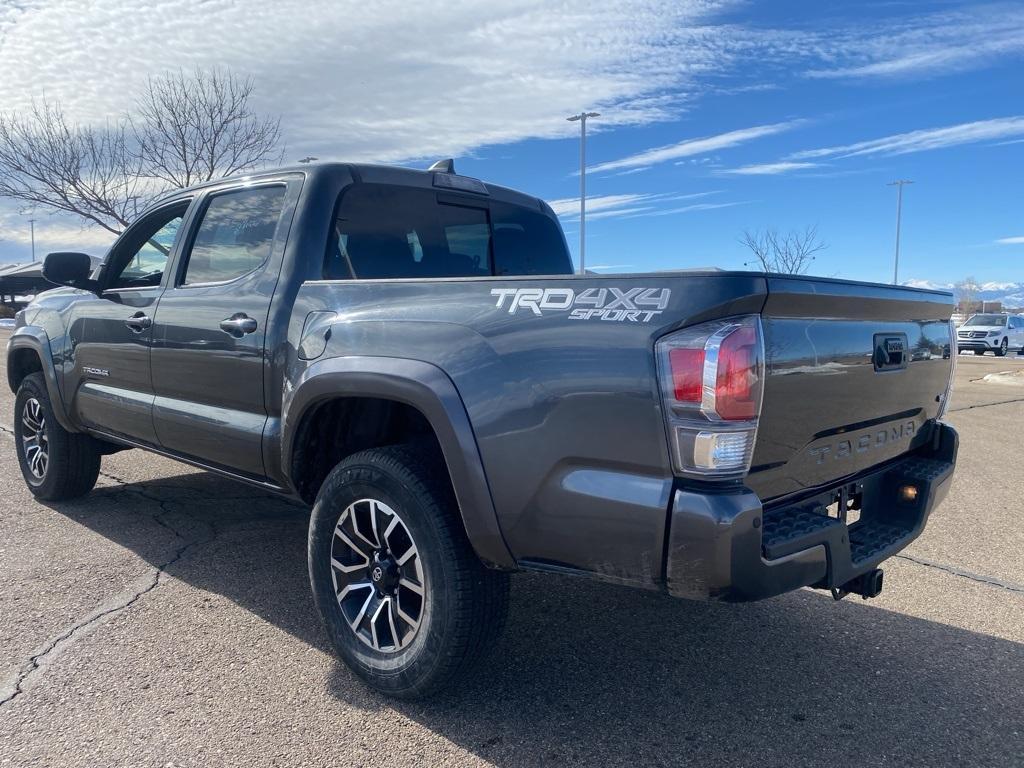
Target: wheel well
x=20, y=364
x=333, y=430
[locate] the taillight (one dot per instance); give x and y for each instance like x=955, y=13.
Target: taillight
x=687, y=367
x=712, y=380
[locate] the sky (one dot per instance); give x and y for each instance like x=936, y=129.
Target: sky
x=717, y=117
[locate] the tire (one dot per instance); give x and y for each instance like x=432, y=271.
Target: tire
x=979, y=351
x=463, y=605
x=56, y=464
x=1003, y=346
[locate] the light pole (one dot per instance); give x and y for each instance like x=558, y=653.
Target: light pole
x=32, y=229
x=899, y=212
x=582, y=118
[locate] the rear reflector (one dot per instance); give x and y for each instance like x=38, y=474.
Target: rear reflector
x=711, y=381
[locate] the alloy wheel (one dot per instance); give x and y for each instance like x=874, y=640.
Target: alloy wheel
x=33, y=438
x=378, y=576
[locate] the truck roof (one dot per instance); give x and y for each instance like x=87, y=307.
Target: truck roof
x=366, y=172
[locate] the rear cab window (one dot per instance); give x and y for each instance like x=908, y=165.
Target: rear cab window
x=394, y=231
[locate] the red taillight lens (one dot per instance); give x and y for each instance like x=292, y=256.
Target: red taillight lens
x=711, y=378
x=687, y=374
x=736, y=386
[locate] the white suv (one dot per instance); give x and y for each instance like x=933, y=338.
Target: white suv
x=995, y=333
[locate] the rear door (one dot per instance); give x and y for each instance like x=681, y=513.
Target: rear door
x=209, y=332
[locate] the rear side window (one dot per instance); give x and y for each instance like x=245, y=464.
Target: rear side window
x=527, y=243
x=385, y=231
x=235, y=234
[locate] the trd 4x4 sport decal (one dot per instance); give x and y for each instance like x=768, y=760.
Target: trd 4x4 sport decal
x=634, y=305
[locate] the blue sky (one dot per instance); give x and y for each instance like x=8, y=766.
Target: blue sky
x=967, y=196
x=718, y=116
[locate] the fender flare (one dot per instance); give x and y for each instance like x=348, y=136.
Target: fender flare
x=35, y=338
x=428, y=389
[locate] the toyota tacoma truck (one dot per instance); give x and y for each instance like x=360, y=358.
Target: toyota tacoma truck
x=411, y=353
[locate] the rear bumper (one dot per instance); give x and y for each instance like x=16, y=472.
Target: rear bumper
x=729, y=546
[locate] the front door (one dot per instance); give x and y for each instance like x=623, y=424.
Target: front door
x=210, y=328
x=107, y=370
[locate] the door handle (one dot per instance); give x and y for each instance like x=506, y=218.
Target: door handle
x=139, y=322
x=238, y=325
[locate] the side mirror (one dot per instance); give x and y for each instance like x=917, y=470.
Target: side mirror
x=71, y=269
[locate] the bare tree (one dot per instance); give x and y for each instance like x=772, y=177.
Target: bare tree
x=48, y=161
x=967, y=289
x=193, y=128
x=185, y=129
x=791, y=253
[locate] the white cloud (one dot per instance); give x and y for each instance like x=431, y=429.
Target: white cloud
x=53, y=233
x=613, y=206
x=381, y=81
x=922, y=45
x=687, y=209
x=570, y=206
x=1011, y=240
x=923, y=140
x=768, y=169
x=691, y=147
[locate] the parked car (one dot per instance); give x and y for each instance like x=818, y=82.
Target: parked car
x=410, y=353
x=996, y=333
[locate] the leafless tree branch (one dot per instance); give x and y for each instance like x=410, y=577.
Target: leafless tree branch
x=791, y=253
x=48, y=161
x=185, y=128
x=967, y=290
x=195, y=127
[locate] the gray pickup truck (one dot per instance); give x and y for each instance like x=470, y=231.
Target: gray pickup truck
x=410, y=353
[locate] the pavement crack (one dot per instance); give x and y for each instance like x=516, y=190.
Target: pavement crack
x=987, y=405
x=953, y=570
x=116, y=606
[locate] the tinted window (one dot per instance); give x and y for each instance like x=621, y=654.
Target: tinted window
x=387, y=231
x=139, y=260
x=527, y=243
x=235, y=235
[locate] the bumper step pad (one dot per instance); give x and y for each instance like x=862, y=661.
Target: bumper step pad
x=790, y=530
x=867, y=539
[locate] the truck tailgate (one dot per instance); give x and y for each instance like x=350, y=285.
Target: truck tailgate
x=855, y=376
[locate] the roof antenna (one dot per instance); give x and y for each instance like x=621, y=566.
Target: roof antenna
x=443, y=166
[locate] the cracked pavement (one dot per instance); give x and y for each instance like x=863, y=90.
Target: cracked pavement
x=166, y=619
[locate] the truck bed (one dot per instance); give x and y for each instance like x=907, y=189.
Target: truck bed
x=559, y=379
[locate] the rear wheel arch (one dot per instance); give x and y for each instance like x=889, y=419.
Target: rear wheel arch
x=374, y=402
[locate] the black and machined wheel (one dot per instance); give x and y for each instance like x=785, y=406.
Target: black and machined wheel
x=406, y=602
x=56, y=464
x=1003, y=346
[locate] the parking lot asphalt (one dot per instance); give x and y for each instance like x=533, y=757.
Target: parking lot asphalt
x=166, y=620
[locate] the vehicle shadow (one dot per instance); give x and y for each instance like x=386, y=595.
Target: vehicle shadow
x=592, y=674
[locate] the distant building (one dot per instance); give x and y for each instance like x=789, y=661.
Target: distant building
x=973, y=307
